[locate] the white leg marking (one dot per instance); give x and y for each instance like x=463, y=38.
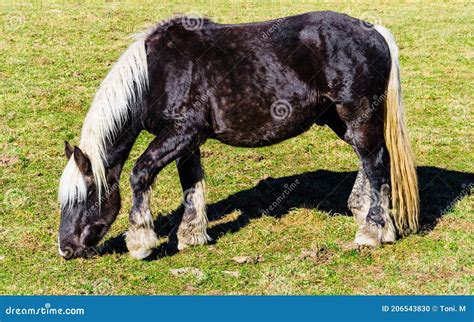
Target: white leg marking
x=192, y=230
x=371, y=234
x=141, y=237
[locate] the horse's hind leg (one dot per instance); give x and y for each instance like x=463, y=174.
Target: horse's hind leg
x=165, y=148
x=359, y=199
x=370, y=197
x=192, y=230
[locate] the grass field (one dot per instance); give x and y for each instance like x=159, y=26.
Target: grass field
x=52, y=59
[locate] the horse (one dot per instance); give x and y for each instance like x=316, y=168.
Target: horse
x=245, y=85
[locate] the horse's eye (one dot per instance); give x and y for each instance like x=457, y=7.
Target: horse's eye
x=89, y=193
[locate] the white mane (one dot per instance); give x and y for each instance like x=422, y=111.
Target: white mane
x=123, y=87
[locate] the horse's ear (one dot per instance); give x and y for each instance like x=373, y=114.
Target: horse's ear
x=82, y=161
x=68, y=149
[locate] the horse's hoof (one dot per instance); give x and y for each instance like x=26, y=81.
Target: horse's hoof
x=362, y=239
x=140, y=253
x=389, y=234
x=193, y=240
x=140, y=242
x=182, y=246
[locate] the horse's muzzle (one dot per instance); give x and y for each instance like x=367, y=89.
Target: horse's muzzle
x=81, y=252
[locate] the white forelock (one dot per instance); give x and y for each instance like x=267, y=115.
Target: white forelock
x=72, y=185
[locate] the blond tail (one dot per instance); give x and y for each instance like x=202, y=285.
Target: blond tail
x=404, y=182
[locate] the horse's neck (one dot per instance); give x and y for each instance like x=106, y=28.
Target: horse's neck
x=119, y=150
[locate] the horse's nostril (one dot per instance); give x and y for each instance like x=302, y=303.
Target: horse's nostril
x=68, y=253
x=90, y=252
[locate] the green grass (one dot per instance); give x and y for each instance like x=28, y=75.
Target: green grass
x=52, y=59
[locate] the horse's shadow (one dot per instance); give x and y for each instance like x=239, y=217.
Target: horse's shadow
x=328, y=191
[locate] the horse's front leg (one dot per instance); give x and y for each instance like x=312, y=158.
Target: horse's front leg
x=192, y=230
x=141, y=237
x=168, y=146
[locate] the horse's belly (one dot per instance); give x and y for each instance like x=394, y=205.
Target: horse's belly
x=263, y=125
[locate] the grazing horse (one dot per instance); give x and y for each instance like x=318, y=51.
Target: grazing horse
x=246, y=85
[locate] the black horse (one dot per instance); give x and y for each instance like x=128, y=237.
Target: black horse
x=247, y=85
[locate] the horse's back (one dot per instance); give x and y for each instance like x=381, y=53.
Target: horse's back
x=268, y=81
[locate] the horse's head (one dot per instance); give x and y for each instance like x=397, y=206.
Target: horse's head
x=85, y=216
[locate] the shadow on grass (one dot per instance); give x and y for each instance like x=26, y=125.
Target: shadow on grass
x=324, y=190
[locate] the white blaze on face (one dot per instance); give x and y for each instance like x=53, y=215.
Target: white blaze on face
x=59, y=248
